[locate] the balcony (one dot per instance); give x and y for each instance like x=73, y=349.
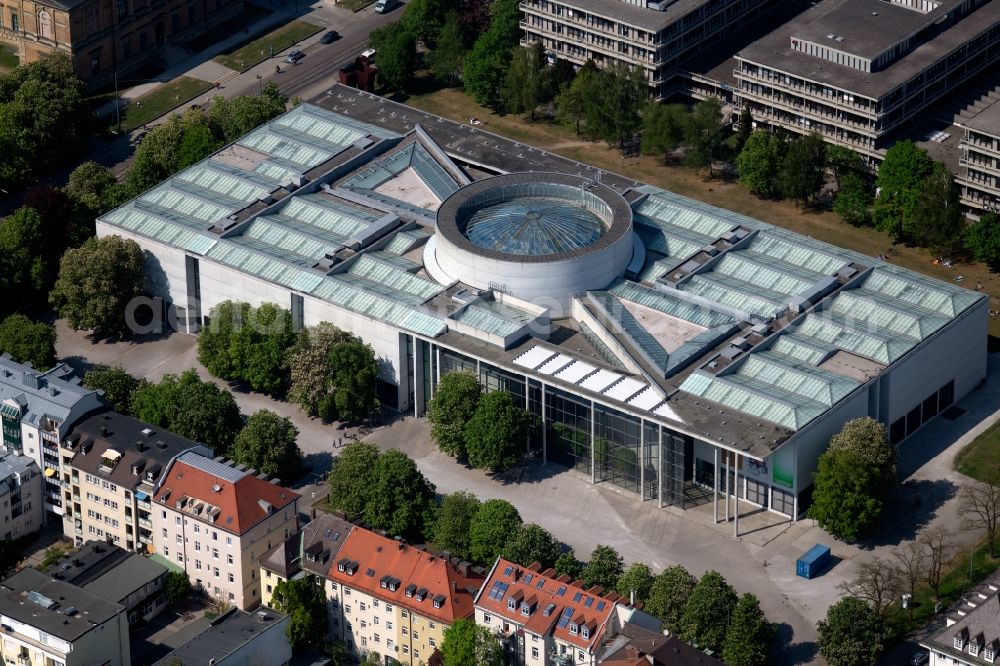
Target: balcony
x=144, y=505
x=145, y=523
x=145, y=539
x=24, y=660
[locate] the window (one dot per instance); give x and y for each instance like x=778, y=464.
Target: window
x=431, y=642
x=511, y=604
x=215, y=553
x=14, y=21
x=267, y=574
x=534, y=653
x=585, y=632
x=197, y=546
x=486, y=619
x=166, y=552
x=229, y=559
x=229, y=541
x=177, y=538
x=177, y=520
x=215, y=536
x=197, y=564
x=231, y=577
x=196, y=529
x=216, y=571
x=388, y=626
x=377, y=638
x=388, y=608
x=573, y=629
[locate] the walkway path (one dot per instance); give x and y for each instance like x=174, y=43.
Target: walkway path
x=583, y=515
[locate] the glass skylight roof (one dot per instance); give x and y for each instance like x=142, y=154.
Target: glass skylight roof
x=534, y=226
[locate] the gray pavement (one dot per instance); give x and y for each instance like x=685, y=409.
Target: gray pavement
x=761, y=561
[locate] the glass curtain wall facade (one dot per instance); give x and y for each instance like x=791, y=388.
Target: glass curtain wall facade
x=617, y=438
x=568, y=422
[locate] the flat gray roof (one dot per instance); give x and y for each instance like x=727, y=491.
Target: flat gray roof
x=650, y=20
x=830, y=16
x=986, y=121
x=227, y=634
x=22, y=597
x=126, y=578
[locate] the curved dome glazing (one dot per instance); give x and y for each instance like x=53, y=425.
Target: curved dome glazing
x=534, y=226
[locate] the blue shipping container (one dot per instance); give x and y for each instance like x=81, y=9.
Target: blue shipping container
x=814, y=561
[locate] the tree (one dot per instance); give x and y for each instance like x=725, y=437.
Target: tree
x=397, y=55
x=311, y=371
x=638, y=581
x=425, y=19
x=847, y=499
x=574, y=99
x=446, y=58
x=745, y=129
x=939, y=544
x=495, y=436
x=28, y=342
x=454, y=404
x=62, y=224
x=703, y=134
x=468, y=644
x=803, y=168
x=708, y=612
x=748, y=638
x=983, y=238
x=268, y=444
x=869, y=440
x=842, y=161
x=603, y=569
x=662, y=128
x=231, y=118
x=668, y=596
x=938, y=220
x=90, y=188
x=177, y=588
x=853, y=200
x=900, y=178
x=485, y=70
x=24, y=273
x=197, y=143
x=96, y=283
x=852, y=634
x=527, y=81
x=491, y=528
x=116, y=383
x=248, y=344
x=353, y=384
x=304, y=600
x=910, y=561
x=454, y=522
x=532, y=543
x=400, y=500
x=191, y=408
x=567, y=565
x=878, y=582
x=979, y=503
x=619, y=93
x=759, y=161
x=351, y=477
x=156, y=158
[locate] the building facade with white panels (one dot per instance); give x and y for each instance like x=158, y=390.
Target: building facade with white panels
x=718, y=352
x=21, y=511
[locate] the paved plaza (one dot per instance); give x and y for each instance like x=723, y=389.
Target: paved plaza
x=760, y=561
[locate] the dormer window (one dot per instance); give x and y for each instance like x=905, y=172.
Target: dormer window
x=573, y=628
x=959, y=641
x=525, y=609
x=511, y=604
x=974, y=648
x=989, y=655
x=585, y=632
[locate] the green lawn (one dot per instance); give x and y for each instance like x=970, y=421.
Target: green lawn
x=355, y=5
x=161, y=100
x=259, y=50
x=981, y=458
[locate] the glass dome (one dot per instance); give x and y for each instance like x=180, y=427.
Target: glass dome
x=534, y=226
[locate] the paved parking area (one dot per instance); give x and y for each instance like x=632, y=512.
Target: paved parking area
x=583, y=515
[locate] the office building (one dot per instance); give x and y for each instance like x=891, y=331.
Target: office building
x=48, y=621
x=37, y=410
x=127, y=579
x=216, y=520
x=859, y=72
x=394, y=599
x=978, y=175
x=673, y=349
x=237, y=638
x=308, y=552
x=21, y=487
x=114, y=464
x=106, y=38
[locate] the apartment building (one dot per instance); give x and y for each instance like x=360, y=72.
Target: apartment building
x=127, y=579
x=971, y=634
x=37, y=410
x=859, y=71
x=978, y=175
x=237, y=639
x=543, y=618
x=105, y=37
x=49, y=622
x=216, y=520
x=111, y=466
x=394, y=599
x=654, y=35
x=310, y=551
x=21, y=485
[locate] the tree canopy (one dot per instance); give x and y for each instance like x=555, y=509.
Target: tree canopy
x=397, y=54
x=491, y=528
x=454, y=522
x=268, y=444
x=316, y=372
x=24, y=272
x=469, y=644
x=708, y=611
x=668, y=596
x=759, y=161
x=983, y=238
x=118, y=386
x=847, y=500
x=400, y=500
x=496, y=435
x=852, y=634
x=703, y=134
x=868, y=439
x=900, y=178
x=637, y=580
x=454, y=403
x=96, y=283
x=938, y=221
x=662, y=128
x=28, y=342
x=604, y=568
x=351, y=477
x=191, y=408
x=305, y=601
x=804, y=168
x=748, y=638
x=528, y=80
x=248, y=344
x=532, y=543
x=854, y=199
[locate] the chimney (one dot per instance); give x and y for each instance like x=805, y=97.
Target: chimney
x=104, y=431
x=454, y=587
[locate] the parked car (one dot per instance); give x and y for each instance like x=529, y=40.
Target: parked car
x=382, y=6
x=919, y=658
x=329, y=37
x=294, y=57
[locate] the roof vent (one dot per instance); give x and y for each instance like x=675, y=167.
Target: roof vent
x=147, y=431
x=216, y=488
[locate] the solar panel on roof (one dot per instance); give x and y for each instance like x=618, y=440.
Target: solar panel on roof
x=600, y=605
x=370, y=573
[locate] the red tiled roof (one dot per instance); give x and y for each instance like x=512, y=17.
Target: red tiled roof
x=240, y=502
x=411, y=570
x=554, y=598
